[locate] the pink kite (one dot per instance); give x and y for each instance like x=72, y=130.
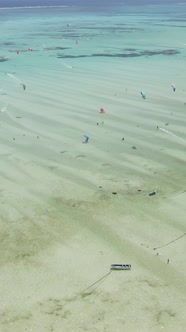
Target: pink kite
x=102, y=110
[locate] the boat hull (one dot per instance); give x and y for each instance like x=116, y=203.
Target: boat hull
x=121, y=267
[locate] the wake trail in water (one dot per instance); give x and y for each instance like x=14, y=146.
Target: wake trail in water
x=14, y=77
x=170, y=133
x=68, y=66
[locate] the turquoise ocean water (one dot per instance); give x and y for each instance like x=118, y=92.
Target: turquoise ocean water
x=109, y=33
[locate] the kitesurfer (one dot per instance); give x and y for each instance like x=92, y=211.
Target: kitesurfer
x=143, y=95
x=86, y=138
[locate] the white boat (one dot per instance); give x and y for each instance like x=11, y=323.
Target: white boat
x=121, y=267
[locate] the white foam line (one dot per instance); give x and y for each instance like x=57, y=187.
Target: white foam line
x=68, y=66
x=3, y=109
x=170, y=133
x=15, y=78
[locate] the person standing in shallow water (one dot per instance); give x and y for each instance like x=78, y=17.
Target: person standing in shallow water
x=173, y=87
x=24, y=86
x=143, y=94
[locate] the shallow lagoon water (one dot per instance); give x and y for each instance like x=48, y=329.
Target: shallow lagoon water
x=61, y=225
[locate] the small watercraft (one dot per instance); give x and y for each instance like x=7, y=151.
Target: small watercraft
x=121, y=267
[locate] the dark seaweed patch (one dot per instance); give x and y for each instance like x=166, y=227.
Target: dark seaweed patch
x=57, y=48
x=168, y=25
x=120, y=24
x=162, y=52
x=116, y=55
x=22, y=51
x=63, y=56
x=8, y=43
x=130, y=49
x=72, y=35
x=123, y=55
x=110, y=28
